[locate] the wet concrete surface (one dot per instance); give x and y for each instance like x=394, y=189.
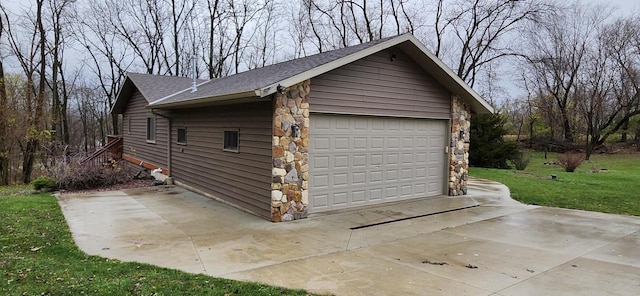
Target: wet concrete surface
x=495, y=246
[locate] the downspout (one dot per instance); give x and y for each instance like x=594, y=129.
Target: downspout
x=153, y=111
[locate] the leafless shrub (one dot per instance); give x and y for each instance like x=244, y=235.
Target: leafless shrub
x=71, y=174
x=570, y=161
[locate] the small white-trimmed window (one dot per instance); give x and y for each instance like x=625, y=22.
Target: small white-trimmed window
x=182, y=135
x=151, y=129
x=231, y=140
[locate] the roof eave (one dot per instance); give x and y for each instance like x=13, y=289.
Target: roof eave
x=121, y=98
x=251, y=94
x=446, y=76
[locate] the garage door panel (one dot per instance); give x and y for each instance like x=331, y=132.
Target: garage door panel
x=393, y=159
x=359, y=178
x=321, y=144
x=393, y=143
x=376, y=159
x=421, y=158
x=377, y=143
x=358, y=197
x=375, y=194
x=360, y=143
x=392, y=175
x=359, y=160
x=341, y=143
x=362, y=160
x=341, y=161
x=320, y=162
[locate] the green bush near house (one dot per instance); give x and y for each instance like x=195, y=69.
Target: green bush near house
x=39, y=257
x=44, y=184
x=606, y=183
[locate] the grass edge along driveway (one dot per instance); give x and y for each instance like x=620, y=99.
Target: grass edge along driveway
x=607, y=183
x=39, y=257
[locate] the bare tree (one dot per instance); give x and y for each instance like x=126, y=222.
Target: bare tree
x=4, y=149
x=558, y=46
x=609, y=89
x=483, y=31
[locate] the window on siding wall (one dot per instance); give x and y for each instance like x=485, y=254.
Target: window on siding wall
x=151, y=129
x=182, y=135
x=231, y=141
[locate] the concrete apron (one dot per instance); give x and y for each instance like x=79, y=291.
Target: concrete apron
x=495, y=246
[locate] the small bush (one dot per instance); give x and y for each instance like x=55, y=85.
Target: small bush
x=570, y=161
x=520, y=161
x=44, y=184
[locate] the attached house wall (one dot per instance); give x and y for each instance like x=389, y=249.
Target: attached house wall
x=135, y=133
x=376, y=85
x=242, y=178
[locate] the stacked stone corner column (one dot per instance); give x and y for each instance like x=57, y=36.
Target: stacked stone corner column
x=459, y=147
x=290, y=153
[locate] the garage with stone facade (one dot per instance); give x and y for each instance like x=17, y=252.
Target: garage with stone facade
x=377, y=122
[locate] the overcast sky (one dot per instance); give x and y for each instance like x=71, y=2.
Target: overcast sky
x=512, y=89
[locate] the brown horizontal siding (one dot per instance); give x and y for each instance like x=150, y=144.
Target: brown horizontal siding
x=135, y=141
x=375, y=85
x=241, y=178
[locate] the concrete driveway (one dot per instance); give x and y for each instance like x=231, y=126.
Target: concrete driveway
x=491, y=245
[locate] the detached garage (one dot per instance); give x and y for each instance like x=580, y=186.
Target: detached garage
x=372, y=123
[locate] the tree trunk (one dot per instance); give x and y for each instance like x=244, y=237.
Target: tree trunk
x=33, y=143
x=27, y=160
x=568, y=133
x=623, y=133
x=4, y=152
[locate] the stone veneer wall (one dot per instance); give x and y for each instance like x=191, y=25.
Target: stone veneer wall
x=459, y=150
x=289, y=188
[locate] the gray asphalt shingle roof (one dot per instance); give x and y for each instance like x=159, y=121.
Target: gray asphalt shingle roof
x=155, y=87
x=175, y=92
x=265, y=76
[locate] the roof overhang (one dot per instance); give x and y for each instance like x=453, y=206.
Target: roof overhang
x=233, y=98
x=122, y=98
x=419, y=53
x=407, y=42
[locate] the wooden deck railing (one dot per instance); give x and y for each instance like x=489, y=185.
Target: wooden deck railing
x=111, y=151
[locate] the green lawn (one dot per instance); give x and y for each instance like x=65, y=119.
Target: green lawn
x=38, y=257
x=607, y=183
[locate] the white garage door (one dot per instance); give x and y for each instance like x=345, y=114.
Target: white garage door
x=360, y=160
